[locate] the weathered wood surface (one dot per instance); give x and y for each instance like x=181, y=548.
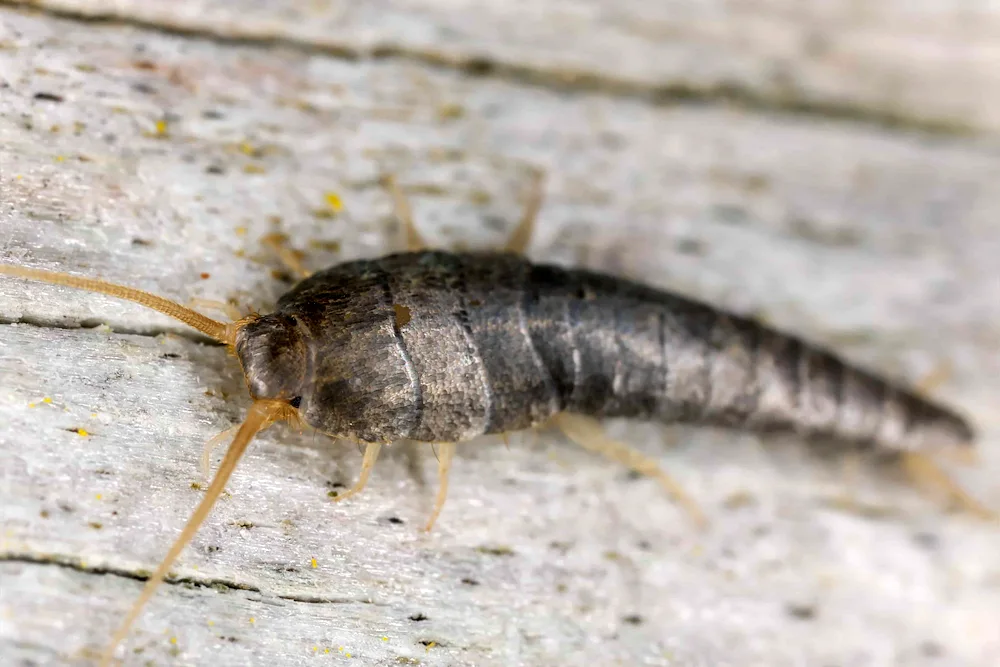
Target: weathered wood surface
x=893, y=61
x=880, y=244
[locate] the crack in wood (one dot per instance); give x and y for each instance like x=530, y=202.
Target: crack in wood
x=90, y=324
x=65, y=562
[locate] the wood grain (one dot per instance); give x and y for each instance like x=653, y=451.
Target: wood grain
x=893, y=62
x=160, y=160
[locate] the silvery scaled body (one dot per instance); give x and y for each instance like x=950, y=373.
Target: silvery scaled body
x=443, y=347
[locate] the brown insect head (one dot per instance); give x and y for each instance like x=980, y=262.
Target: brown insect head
x=274, y=352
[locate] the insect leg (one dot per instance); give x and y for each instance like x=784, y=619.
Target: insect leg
x=291, y=258
x=588, y=433
x=409, y=238
x=850, y=473
x=928, y=475
x=445, y=455
x=521, y=238
x=210, y=445
x=939, y=375
x=371, y=455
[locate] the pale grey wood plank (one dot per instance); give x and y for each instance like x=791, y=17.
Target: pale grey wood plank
x=895, y=61
x=881, y=244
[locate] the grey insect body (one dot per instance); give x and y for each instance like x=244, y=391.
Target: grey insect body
x=438, y=346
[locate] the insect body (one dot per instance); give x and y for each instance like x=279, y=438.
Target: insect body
x=444, y=347
x=491, y=343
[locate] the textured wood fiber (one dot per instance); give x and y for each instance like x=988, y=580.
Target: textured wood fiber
x=893, y=61
x=159, y=161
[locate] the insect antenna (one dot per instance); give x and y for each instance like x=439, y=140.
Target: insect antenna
x=224, y=333
x=262, y=413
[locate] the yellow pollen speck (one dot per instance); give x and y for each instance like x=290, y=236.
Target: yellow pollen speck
x=326, y=650
x=253, y=620
x=60, y=158
x=161, y=127
x=46, y=400
x=246, y=148
x=173, y=640
x=385, y=639
x=347, y=655
x=241, y=231
x=315, y=649
x=31, y=405
x=82, y=432
x=333, y=201
x=211, y=623
x=314, y=563
x=93, y=415
x=97, y=496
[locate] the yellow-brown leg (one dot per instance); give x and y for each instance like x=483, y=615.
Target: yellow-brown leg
x=291, y=258
x=851, y=475
x=409, y=238
x=928, y=475
x=371, y=455
x=445, y=454
x=850, y=500
x=210, y=445
x=939, y=375
x=521, y=238
x=588, y=433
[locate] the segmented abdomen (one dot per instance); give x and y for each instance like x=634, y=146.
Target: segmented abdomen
x=486, y=343
x=643, y=353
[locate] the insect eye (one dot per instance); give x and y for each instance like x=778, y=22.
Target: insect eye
x=296, y=402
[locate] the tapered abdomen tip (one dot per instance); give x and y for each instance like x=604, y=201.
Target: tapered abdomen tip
x=930, y=427
x=947, y=430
